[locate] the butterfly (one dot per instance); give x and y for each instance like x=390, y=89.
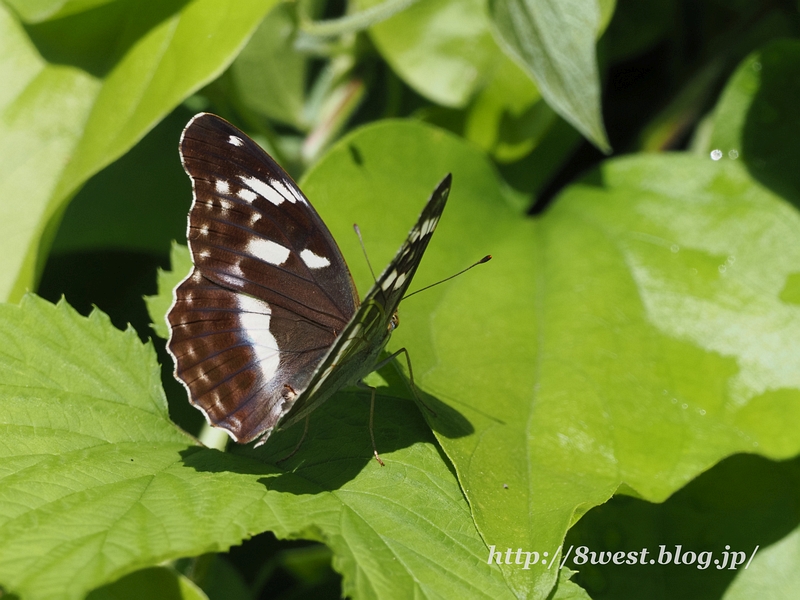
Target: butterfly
x=268, y=324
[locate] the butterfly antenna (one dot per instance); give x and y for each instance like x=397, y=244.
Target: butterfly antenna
x=485, y=259
x=364, y=250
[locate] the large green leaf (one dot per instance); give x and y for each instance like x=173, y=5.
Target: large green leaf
x=553, y=40
x=36, y=11
x=630, y=336
x=80, y=90
x=97, y=482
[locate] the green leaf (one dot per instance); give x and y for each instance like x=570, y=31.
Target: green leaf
x=155, y=583
x=81, y=90
x=36, y=11
x=442, y=48
x=358, y=21
x=632, y=335
x=566, y=589
x=98, y=483
x=772, y=574
x=269, y=73
x=508, y=117
x=554, y=41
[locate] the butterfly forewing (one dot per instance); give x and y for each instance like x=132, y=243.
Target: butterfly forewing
x=252, y=229
x=395, y=279
x=355, y=351
x=270, y=290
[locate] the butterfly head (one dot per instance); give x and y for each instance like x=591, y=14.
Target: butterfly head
x=393, y=322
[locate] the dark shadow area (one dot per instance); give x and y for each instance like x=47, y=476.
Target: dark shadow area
x=95, y=40
x=113, y=281
x=274, y=568
x=338, y=446
x=137, y=203
x=265, y=567
x=743, y=502
x=663, y=75
x=633, y=92
x=154, y=582
x=336, y=449
x=443, y=419
x=769, y=139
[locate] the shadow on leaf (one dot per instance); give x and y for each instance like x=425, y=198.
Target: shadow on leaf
x=337, y=448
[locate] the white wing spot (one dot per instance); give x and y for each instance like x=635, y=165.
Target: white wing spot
x=269, y=192
x=287, y=191
x=197, y=277
x=225, y=205
x=204, y=254
x=400, y=279
x=255, y=218
x=204, y=229
x=254, y=320
x=387, y=283
x=429, y=226
x=222, y=186
x=235, y=140
x=247, y=195
x=236, y=269
x=268, y=251
x=314, y=261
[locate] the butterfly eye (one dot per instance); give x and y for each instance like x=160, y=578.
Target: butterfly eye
x=393, y=323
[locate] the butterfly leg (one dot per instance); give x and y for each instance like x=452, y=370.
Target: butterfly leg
x=381, y=364
x=300, y=443
x=363, y=385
